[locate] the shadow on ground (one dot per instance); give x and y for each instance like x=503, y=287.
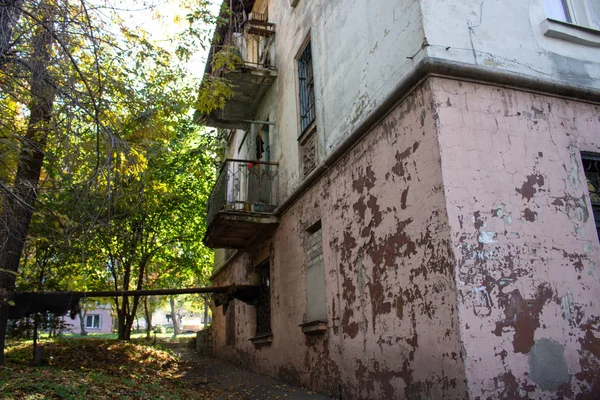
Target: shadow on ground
x=228, y=382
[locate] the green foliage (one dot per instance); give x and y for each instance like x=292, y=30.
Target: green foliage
x=228, y=57
x=213, y=94
x=126, y=175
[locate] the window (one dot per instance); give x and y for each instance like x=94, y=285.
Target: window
x=92, y=321
x=263, y=305
x=307, y=110
x=579, y=12
x=316, y=312
x=307, y=88
x=591, y=167
x=230, y=324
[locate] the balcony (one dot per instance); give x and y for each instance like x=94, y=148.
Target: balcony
x=241, y=204
x=249, y=43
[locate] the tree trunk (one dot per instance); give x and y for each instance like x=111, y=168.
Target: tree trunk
x=35, y=336
x=121, y=324
x=18, y=205
x=148, y=313
x=205, y=313
x=174, y=312
x=82, y=314
x=10, y=11
x=127, y=313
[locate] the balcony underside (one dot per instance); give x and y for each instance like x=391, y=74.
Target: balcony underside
x=249, y=86
x=238, y=229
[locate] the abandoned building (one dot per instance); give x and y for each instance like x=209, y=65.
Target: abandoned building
x=413, y=185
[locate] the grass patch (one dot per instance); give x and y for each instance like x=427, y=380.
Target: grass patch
x=95, y=369
x=167, y=337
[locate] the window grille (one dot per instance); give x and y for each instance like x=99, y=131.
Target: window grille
x=591, y=167
x=307, y=88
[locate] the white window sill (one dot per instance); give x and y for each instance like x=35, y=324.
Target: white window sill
x=571, y=32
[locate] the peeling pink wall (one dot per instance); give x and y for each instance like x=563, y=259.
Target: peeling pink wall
x=389, y=270
x=524, y=238
x=458, y=247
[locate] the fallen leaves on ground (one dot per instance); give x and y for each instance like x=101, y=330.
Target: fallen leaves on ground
x=97, y=369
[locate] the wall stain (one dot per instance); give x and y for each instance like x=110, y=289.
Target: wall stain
x=403, y=199
x=366, y=180
x=523, y=315
x=528, y=189
x=529, y=215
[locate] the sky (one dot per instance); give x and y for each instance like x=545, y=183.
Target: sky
x=162, y=19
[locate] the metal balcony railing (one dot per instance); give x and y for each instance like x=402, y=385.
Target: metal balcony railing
x=259, y=58
x=245, y=186
x=250, y=44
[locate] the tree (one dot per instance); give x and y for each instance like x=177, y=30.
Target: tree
x=18, y=205
x=85, y=104
x=152, y=232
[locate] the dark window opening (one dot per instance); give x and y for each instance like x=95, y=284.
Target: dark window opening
x=230, y=325
x=92, y=321
x=307, y=88
x=261, y=144
x=591, y=167
x=263, y=305
x=260, y=147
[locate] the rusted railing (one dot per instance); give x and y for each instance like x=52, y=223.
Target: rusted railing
x=245, y=186
x=250, y=43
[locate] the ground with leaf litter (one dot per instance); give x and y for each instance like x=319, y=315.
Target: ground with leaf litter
x=110, y=369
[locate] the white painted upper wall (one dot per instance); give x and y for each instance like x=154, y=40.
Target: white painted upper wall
x=363, y=48
x=360, y=50
x=510, y=35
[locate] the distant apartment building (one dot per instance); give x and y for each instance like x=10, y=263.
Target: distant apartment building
x=97, y=320
x=413, y=188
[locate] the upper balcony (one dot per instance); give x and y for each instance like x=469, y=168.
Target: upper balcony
x=247, y=43
x=241, y=204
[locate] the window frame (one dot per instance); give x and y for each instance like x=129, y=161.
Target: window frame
x=315, y=316
x=95, y=318
x=574, y=12
x=263, y=306
x=593, y=158
x=306, y=82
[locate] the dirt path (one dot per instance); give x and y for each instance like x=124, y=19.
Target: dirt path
x=226, y=382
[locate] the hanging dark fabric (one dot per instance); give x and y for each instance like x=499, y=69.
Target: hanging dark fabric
x=57, y=303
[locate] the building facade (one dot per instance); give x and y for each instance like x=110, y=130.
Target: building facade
x=96, y=320
x=413, y=189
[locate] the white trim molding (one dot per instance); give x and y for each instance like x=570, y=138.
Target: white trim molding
x=570, y=32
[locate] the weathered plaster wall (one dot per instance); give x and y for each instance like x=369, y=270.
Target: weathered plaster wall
x=507, y=35
x=357, y=59
x=391, y=296
x=362, y=50
x=525, y=242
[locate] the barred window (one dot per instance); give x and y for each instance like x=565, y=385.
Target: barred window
x=307, y=88
x=591, y=167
